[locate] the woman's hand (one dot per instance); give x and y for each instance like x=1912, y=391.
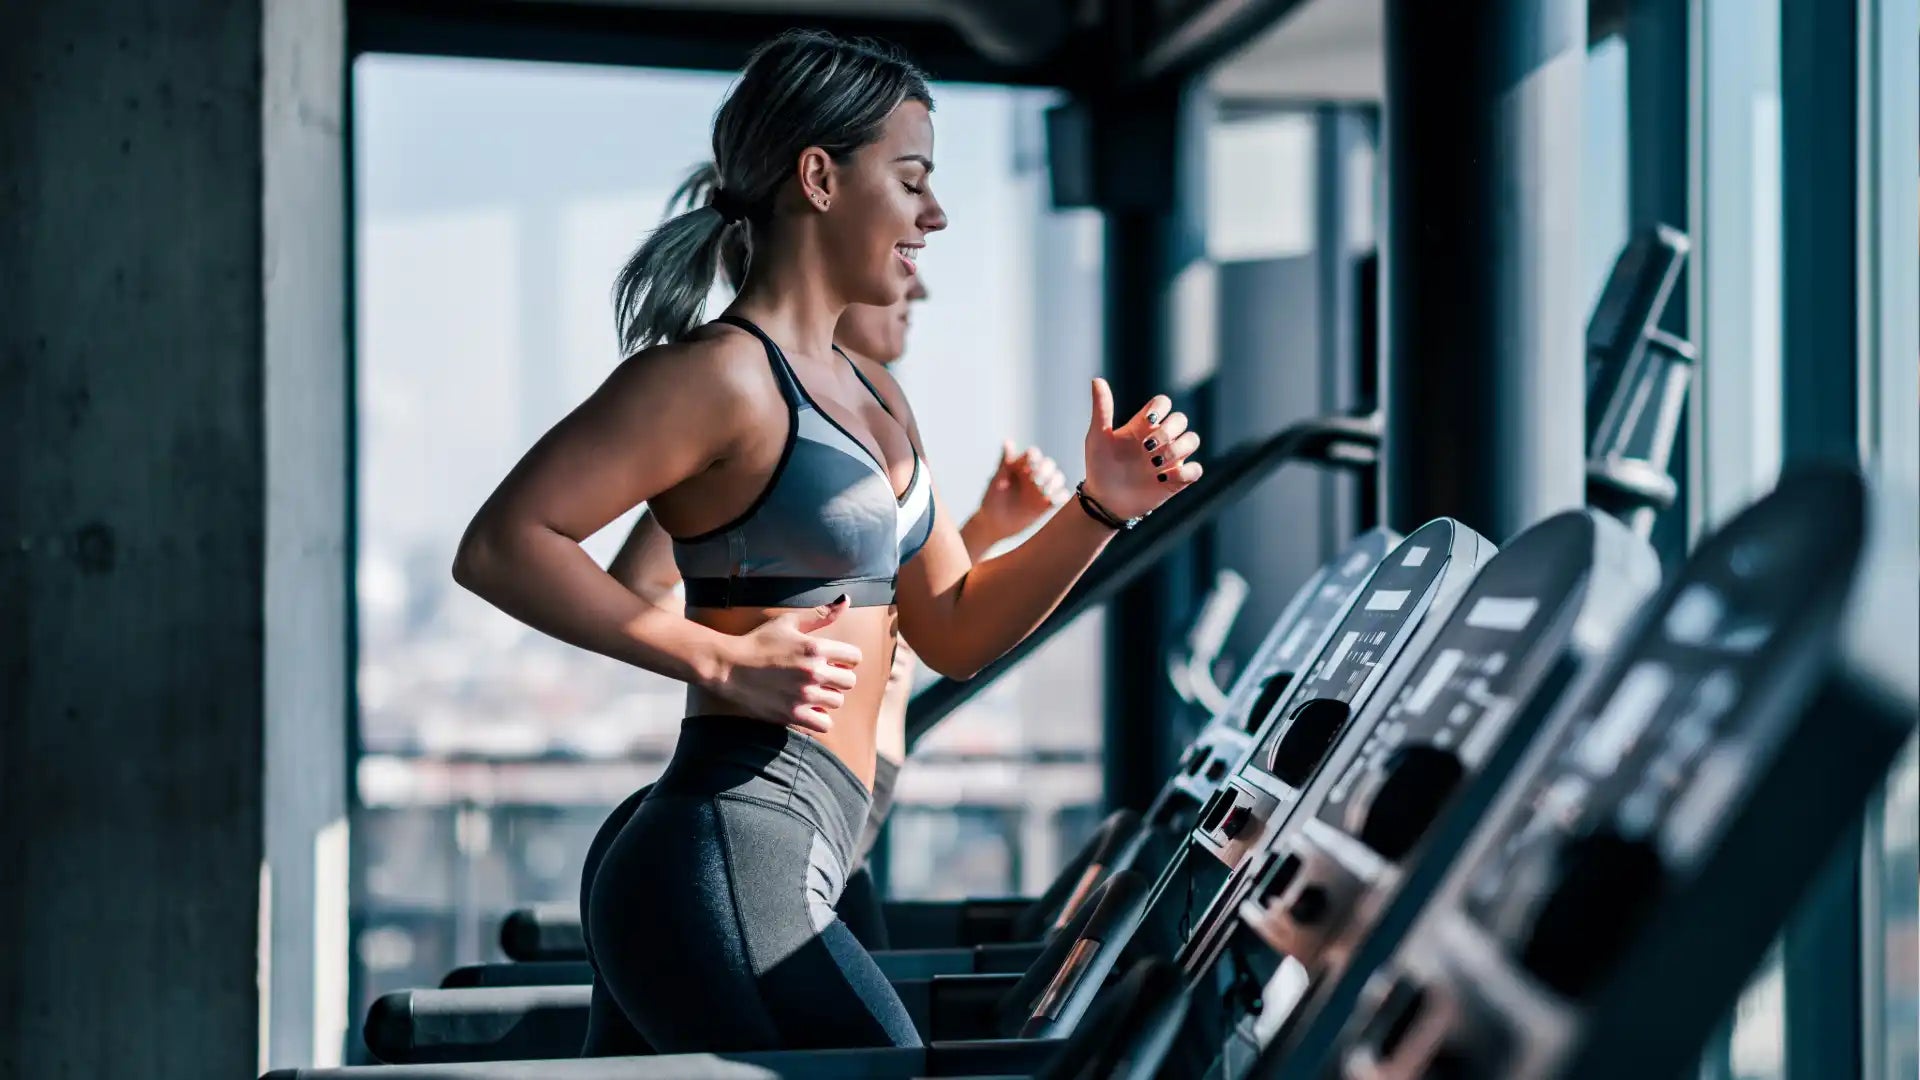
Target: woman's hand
x=1024, y=487
x=1134, y=468
x=782, y=674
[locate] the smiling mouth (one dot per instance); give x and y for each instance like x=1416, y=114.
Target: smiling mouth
x=908, y=254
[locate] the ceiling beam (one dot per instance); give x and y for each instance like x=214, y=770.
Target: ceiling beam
x=637, y=35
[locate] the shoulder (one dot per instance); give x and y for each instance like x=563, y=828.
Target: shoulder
x=717, y=365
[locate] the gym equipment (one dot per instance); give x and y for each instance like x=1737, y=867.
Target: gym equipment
x=1405, y=599
x=1653, y=841
x=1190, y=668
x=1437, y=740
x=1618, y=884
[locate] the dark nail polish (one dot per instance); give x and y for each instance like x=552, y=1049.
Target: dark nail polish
x=1159, y=460
x=1151, y=443
x=1153, y=418
x=842, y=598
x=1163, y=478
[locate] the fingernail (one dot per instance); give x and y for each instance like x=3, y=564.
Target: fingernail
x=1159, y=460
x=1151, y=443
x=842, y=598
x=1163, y=478
x=1153, y=418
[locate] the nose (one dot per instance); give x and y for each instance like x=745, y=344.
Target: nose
x=934, y=217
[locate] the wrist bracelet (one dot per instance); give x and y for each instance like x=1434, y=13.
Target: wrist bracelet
x=1093, y=511
x=1100, y=513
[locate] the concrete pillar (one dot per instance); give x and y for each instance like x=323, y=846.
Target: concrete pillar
x=173, y=616
x=1482, y=327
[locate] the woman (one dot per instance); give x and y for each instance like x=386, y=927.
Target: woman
x=808, y=535
x=1024, y=486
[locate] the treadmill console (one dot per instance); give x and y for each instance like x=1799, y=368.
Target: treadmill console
x=1537, y=614
x=1413, y=588
x=1650, y=843
x=1288, y=646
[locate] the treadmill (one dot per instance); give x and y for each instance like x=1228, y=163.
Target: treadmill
x=1595, y=911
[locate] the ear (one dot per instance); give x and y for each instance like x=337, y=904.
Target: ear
x=816, y=175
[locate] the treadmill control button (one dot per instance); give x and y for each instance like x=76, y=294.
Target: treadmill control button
x=1236, y=822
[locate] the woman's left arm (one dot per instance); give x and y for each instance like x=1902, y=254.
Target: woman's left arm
x=959, y=615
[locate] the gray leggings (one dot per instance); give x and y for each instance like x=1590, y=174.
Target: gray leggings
x=711, y=915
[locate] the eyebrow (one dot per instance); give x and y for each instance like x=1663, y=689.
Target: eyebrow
x=925, y=162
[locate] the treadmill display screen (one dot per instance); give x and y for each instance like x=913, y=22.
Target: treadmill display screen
x=1396, y=594
x=1288, y=644
x=1492, y=653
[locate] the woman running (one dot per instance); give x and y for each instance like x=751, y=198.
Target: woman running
x=1023, y=488
x=808, y=535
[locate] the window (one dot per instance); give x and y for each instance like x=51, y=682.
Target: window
x=494, y=202
x=1892, y=958
x=1890, y=347
x=1604, y=160
x=1736, y=276
x=1738, y=258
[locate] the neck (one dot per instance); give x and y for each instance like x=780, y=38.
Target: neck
x=787, y=293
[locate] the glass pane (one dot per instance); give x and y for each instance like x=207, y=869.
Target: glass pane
x=1891, y=136
x=1891, y=344
x=1759, y=1049
x=1026, y=752
x=1736, y=262
x=1603, y=180
x=1260, y=186
x=494, y=202
x=1738, y=253
x=1893, y=867
x=950, y=853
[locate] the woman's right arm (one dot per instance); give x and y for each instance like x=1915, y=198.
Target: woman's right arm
x=662, y=417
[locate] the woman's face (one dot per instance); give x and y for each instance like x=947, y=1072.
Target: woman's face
x=880, y=209
x=880, y=333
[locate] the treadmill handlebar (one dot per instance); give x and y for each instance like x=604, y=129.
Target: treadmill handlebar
x=1344, y=442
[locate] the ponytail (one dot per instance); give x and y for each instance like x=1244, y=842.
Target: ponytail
x=661, y=292
x=803, y=89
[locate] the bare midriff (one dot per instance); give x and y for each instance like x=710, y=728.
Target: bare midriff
x=869, y=629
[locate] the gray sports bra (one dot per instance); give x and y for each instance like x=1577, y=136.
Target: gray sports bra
x=827, y=523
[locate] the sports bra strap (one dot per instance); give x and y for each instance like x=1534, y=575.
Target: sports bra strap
x=864, y=381
x=782, y=370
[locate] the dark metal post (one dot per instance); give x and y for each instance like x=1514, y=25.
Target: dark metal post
x=1820, y=388
x=1483, y=322
x=1147, y=158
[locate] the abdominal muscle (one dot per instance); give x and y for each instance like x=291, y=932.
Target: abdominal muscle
x=855, y=723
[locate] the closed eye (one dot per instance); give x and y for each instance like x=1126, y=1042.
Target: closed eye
x=911, y=188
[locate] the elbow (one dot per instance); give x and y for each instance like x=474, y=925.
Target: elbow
x=475, y=559
x=952, y=663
